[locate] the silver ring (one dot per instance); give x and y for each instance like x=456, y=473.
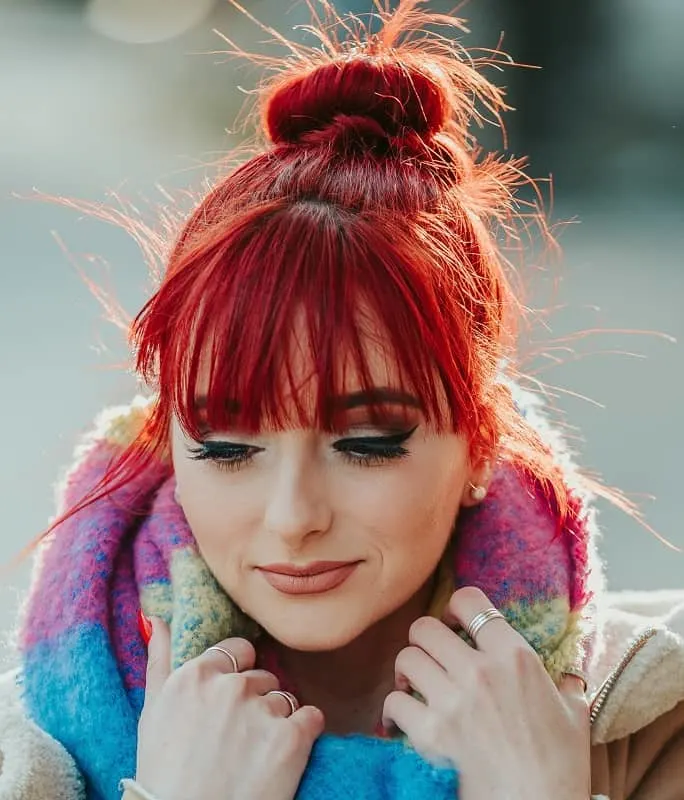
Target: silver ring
x=480, y=620
x=227, y=653
x=291, y=699
x=576, y=672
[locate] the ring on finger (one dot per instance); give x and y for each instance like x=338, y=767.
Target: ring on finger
x=480, y=620
x=576, y=672
x=228, y=654
x=291, y=699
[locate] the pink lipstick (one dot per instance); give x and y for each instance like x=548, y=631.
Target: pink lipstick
x=314, y=578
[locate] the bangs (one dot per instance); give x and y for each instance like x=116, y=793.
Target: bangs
x=284, y=313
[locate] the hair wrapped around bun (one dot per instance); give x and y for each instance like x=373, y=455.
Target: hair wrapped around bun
x=364, y=95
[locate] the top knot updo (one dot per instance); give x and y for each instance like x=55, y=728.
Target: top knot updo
x=383, y=87
x=362, y=96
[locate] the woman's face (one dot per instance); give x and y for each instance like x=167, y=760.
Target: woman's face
x=381, y=500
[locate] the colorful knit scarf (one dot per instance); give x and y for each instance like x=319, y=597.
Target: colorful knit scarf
x=83, y=659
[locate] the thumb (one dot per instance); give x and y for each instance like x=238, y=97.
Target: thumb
x=310, y=721
x=158, y=658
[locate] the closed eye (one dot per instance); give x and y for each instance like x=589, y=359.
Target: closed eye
x=226, y=455
x=373, y=450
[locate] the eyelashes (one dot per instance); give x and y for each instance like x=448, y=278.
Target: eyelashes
x=363, y=451
x=225, y=455
x=374, y=450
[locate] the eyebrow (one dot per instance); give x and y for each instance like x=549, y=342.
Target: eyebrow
x=384, y=394
x=381, y=395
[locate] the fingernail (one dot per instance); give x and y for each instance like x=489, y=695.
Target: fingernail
x=145, y=627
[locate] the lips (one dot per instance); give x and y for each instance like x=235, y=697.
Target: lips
x=315, y=578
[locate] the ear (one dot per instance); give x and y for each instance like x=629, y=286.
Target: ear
x=477, y=482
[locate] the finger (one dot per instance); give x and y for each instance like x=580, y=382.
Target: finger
x=242, y=652
x=573, y=691
x=402, y=710
x=253, y=683
x=573, y=683
x=158, y=658
x=441, y=643
x=415, y=668
x=464, y=605
x=309, y=721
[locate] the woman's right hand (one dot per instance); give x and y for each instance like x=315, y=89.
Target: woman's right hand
x=208, y=732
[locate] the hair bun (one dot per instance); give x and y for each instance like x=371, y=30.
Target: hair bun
x=360, y=96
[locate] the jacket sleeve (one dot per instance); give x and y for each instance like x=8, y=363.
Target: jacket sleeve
x=647, y=765
x=33, y=765
x=656, y=761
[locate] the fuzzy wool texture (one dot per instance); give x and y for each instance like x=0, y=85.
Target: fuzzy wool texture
x=633, y=703
x=36, y=767
x=33, y=765
x=83, y=660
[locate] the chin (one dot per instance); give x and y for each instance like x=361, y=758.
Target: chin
x=314, y=633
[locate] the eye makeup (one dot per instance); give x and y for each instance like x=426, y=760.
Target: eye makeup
x=359, y=450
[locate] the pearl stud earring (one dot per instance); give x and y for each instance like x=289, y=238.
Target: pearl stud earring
x=478, y=493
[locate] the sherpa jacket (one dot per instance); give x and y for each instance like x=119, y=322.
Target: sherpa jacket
x=636, y=684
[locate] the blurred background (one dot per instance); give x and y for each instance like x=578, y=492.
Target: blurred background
x=123, y=95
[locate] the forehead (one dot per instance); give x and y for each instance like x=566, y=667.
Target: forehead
x=365, y=375
x=299, y=371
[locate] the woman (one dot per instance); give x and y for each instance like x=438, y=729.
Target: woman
x=364, y=564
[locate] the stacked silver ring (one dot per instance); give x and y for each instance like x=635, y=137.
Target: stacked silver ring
x=480, y=620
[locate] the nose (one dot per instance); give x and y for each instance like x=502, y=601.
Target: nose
x=298, y=506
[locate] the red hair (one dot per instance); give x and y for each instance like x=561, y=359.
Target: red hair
x=368, y=193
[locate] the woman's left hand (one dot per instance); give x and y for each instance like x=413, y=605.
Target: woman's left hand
x=492, y=712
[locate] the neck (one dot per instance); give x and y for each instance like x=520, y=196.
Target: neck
x=350, y=684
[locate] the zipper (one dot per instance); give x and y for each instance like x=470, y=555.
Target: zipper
x=603, y=692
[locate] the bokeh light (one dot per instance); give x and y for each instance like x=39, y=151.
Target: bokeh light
x=146, y=21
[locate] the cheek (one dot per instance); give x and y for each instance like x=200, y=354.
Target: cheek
x=219, y=518
x=412, y=518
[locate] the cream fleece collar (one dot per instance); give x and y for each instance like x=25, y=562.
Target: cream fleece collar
x=652, y=683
